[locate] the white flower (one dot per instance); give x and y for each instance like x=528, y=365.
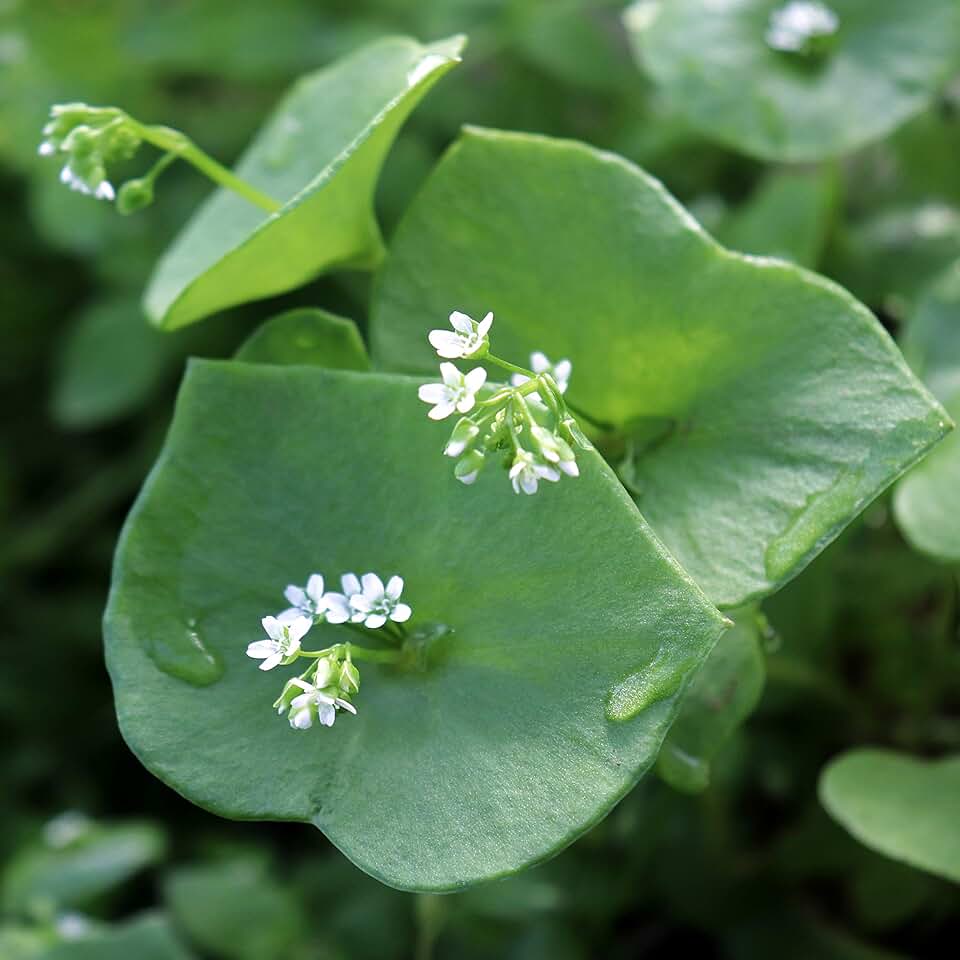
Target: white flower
x=527, y=471
x=554, y=449
x=315, y=700
x=305, y=602
x=540, y=363
x=102, y=191
x=799, y=21
x=339, y=606
x=457, y=392
x=377, y=603
x=46, y=149
x=284, y=641
x=468, y=339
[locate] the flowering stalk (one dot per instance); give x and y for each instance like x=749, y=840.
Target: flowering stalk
x=94, y=138
x=526, y=421
x=332, y=679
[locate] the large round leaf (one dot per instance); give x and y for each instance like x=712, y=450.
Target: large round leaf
x=765, y=406
x=900, y=806
x=713, y=60
x=495, y=750
x=319, y=155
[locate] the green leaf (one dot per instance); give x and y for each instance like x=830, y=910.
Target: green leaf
x=97, y=861
x=307, y=336
x=528, y=614
x=927, y=500
x=148, y=937
x=713, y=61
x=722, y=695
x=900, y=806
x=235, y=910
x=319, y=155
x=111, y=362
x=788, y=216
x=763, y=405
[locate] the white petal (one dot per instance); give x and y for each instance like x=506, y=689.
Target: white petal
x=46, y=149
x=299, y=628
x=302, y=720
x=271, y=662
x=516, y=468
x=375, y=621
x=394, y=587
x=346, y=705
x=468, y=478
x=350, y=584
x=475, y=379
x=516, y=483
x=569, y=467
x=323, y=673
x=289, y=615
x=261, y=649
x=372, y=586
x=432, y=392
x=539, y=362
x=273, y=627
x=466, y=402
x=548, y=473
x=301, y=701
x=442, y=410
x=483, y=328
x=561, y=373
x=451, y=376
x=528, y=481
x=295, y=595
x=359, y=616
x=401, y=613
x=338, y=608
x=315, y=589
x=328, y=713
x=104, y=191
x=518, y=379
x=361, y=604
x=461, y=322
x=447, y=344
x=454, y=448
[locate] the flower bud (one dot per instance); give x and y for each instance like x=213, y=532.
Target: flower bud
x=469, y=466
x=463, y=435
x=134, y=195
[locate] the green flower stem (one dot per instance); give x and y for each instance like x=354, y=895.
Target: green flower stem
x=176, y=143
x=353, y=651
x=512, y=367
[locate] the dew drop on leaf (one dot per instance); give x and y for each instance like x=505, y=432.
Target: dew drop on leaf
x=182, y=653
x=657, y=680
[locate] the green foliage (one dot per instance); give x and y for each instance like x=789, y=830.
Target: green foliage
x=319, y=156
x=715, y=62
x=902, y=806
x=477, y=736
x=149, y=937
x=307, y=336
x=747, y=447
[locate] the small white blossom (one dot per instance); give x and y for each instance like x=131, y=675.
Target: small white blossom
x=339, y=606
x=798, y=22
x=527, y=471
x=284, y=641
x=316, y=701
x=468, y=338
x=457, y=392
x=46, y=149
x=379, y=603
x=102, y=191
x=554, y=449
x=540, y=363
x=305, y=601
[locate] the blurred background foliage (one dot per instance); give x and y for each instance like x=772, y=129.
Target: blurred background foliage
x=99, y=859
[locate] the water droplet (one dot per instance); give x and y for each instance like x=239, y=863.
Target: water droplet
x=659, y=679
x=183, y=654
x=283, y=142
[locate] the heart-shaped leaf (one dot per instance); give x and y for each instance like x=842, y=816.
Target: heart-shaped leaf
x=903, y=807
x=307, y=336
x=319, y=155
x=535, y=619
x=722, y=695
x=759, y=407
x=722, y=65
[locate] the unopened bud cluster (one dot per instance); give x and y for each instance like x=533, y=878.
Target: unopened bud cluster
x=525, y=424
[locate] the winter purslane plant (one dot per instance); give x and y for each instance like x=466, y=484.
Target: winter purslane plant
x=742, y=412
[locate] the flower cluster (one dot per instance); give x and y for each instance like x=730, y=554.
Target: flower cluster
x=527, y=421
x=90, y=139
x=801, y=26
x=332, y=678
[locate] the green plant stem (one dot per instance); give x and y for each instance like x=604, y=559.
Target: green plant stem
x=512, y=367
x=355, y=652
x=172, y=141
